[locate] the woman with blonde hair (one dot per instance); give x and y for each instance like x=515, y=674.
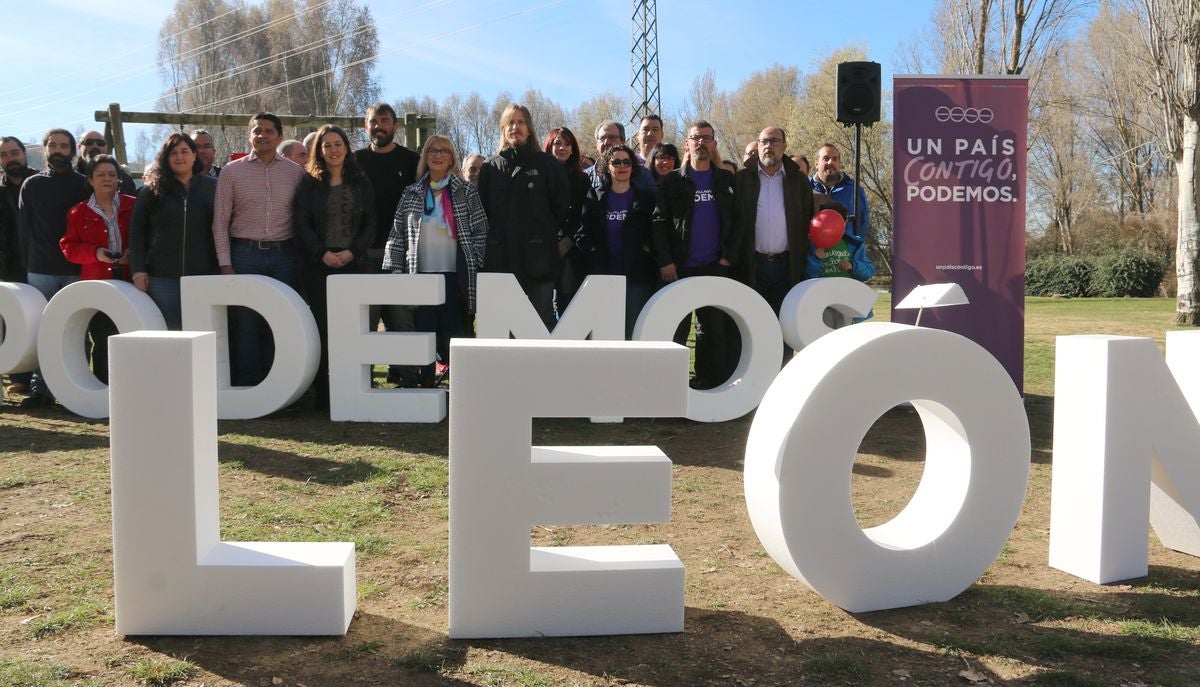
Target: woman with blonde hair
x=440, y=228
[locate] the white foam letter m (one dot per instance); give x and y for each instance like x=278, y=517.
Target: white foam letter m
x=1126, y=445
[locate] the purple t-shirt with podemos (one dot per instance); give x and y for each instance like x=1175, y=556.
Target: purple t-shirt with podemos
x=618, y=211
x=705, y=246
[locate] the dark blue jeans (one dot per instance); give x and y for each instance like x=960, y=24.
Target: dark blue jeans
x=250, y=340
x=772, y=281
x=48, y=284
x=164, y=291
x=447, y=321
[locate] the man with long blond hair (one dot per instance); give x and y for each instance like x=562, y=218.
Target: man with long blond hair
x=526, y=197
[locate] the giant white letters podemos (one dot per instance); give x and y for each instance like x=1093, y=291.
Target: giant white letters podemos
x=354, y=348
x=762, y=343
x=171, y=572
x=1125, y=445
x=63, y=330
x=21, y=307
x=205, y=301
x=805, y=436
x=501, y=485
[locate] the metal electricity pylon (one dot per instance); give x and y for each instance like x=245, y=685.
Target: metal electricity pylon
x=644, y=94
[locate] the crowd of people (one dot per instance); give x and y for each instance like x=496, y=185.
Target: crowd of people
x=545, y=210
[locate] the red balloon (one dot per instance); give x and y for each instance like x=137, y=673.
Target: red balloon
x=826, y=229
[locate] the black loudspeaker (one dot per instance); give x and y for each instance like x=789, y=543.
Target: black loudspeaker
x=858, y=92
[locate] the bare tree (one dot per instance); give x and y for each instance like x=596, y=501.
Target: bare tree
x=767, y=97
x=482, y=130
x=586, y=116
x=1171, y=41
x=309, y=57
x=1062, y=173
x=1120, y=121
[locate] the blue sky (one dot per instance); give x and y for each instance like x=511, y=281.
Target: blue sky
x=568, y=49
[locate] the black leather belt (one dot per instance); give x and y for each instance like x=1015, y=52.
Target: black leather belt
x=772, y=257
x=261, y=245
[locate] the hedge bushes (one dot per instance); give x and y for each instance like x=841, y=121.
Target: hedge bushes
x=1116, y=275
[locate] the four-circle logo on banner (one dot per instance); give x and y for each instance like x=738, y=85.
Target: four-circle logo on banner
x=970, y=115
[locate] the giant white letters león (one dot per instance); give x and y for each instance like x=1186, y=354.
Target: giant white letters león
x=205, y=300
x=171, y=572
x=21, y=307
x=762, y=342
x=501, y=485
x=806, y=434
x=63, y=329
x=1125, y=444
x=354, y=348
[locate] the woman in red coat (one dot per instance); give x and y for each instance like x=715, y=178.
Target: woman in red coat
x=96, y=237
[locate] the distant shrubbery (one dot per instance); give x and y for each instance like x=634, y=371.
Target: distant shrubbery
x=1128, y=272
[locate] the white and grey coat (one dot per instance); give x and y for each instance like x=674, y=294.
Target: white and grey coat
x=470, y=224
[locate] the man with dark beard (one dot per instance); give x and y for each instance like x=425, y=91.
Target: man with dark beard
x=694, y=235
x=93, y=144
x=16, y=171
x=12, y=262
x=390, y=167
x=44, y=201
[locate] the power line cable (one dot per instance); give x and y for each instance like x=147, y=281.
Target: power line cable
x=416, y=44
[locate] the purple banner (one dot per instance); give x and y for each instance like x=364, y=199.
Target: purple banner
x=959, y=197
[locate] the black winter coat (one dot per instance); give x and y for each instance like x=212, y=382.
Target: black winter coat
x=309, y=209
x=526, y=198
x=672, y=227
x=12, y=261
x=171, y=236
x=592, y=239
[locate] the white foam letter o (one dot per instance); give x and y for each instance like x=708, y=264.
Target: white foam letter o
x=762, y=342
x=64, y=326
x=21, y=308
x=805, y=436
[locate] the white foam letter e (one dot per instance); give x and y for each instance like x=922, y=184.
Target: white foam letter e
x=501, y=485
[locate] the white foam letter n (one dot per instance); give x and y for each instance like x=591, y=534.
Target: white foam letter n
x=1126, y=439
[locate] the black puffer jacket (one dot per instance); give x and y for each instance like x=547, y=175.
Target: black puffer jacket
x=526, y=197
x=171, y=236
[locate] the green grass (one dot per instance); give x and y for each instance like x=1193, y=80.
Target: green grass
x=1046, y=318
x=14, y=591
x=1062, y=644
x=29, y=674
x=834, y=666
x=58, y=622
x=1161, y=630
x=363, y=649
x=158, y=672
x=494, y=675
x=421, y=661
x=1035, y=603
